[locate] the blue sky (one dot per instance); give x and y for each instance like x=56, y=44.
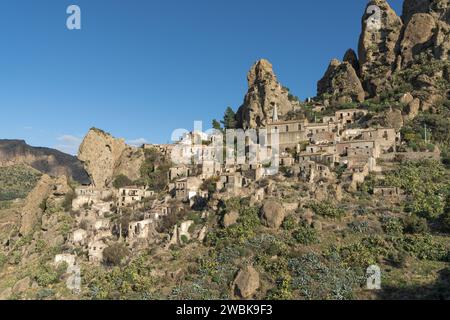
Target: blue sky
x=140, y=69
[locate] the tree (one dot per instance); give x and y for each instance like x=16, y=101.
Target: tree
x=216, y=125
x=122, y=181
x=229, y=119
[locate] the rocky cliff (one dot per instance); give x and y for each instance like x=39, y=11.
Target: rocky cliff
x=45, y=160
x=264, y=93
x=104, y=157
x=407, y=54
x=341, y=82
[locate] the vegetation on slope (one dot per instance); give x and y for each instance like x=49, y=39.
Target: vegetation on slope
x=17, y=181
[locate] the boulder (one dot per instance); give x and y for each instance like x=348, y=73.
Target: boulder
x=394, y=119
x=6, y=294
x=33, y=209
x=22, y=285
x=317, y=225
x=406, y=98
x=230, y=218
x=105, y=157
x=247, y=283
x=273, y=214
x=342, y=83
x=418, y=36
x=412, y=109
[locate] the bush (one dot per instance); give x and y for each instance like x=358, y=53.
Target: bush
x=327, y=210
x=306, y=235
x=3, y=260
x=68, y=198
x=115, y=254
x=122, y=181
x=397, y=258
x=424, y=247
x=46, y=275
x=425, y=184
x=359, y=226
x=317, y=278
x=283, y=290
x=392, y=226
x=289, y=224
x=243, y=230
x=154, y=170
x=414, y=224
x=209, y=185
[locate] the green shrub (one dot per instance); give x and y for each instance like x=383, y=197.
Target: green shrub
x=46, y=275
x=361, y=254
x=3, y=259
x=392, y=226
x=414, y=224
x=68, y=198
x=184, y=239
x=424, y=247
x=359, y=226
x=425, y=184
x=283, y=289
x=327, y=210
x=289, y=224
x=318, y=278
x=305, y=235
x=122, y=181
x=17, y=181
x=397, y=258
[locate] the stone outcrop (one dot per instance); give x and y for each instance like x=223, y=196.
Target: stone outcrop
x=45, y=160
x=426, y=28
x=272, y=214
x=341, y=82
x=105, y=157
x=412, y=106
x=49, y=193
x=351, y=57
x=388, y=46
x=33, y=209
x=418, y=36
x=378, y=45
x=264, y=93
x=230, y=219
x=247, y=282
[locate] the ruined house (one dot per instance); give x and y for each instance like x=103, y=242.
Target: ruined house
x=187, y=188
x=88, y=195
x=131, y=195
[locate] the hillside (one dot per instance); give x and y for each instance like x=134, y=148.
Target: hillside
x=357, y=207
x=17, y=181
x=45, y=160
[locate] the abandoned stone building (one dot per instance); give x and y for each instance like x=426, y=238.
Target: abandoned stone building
x=95, y=250
x=231, y=182
x=140, y=229
x=387, y=192
x=178, y=172
x=88, y=195
x=131, y=195
x=187, y=188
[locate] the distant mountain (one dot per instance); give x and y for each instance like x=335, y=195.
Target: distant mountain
x=45, y=160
